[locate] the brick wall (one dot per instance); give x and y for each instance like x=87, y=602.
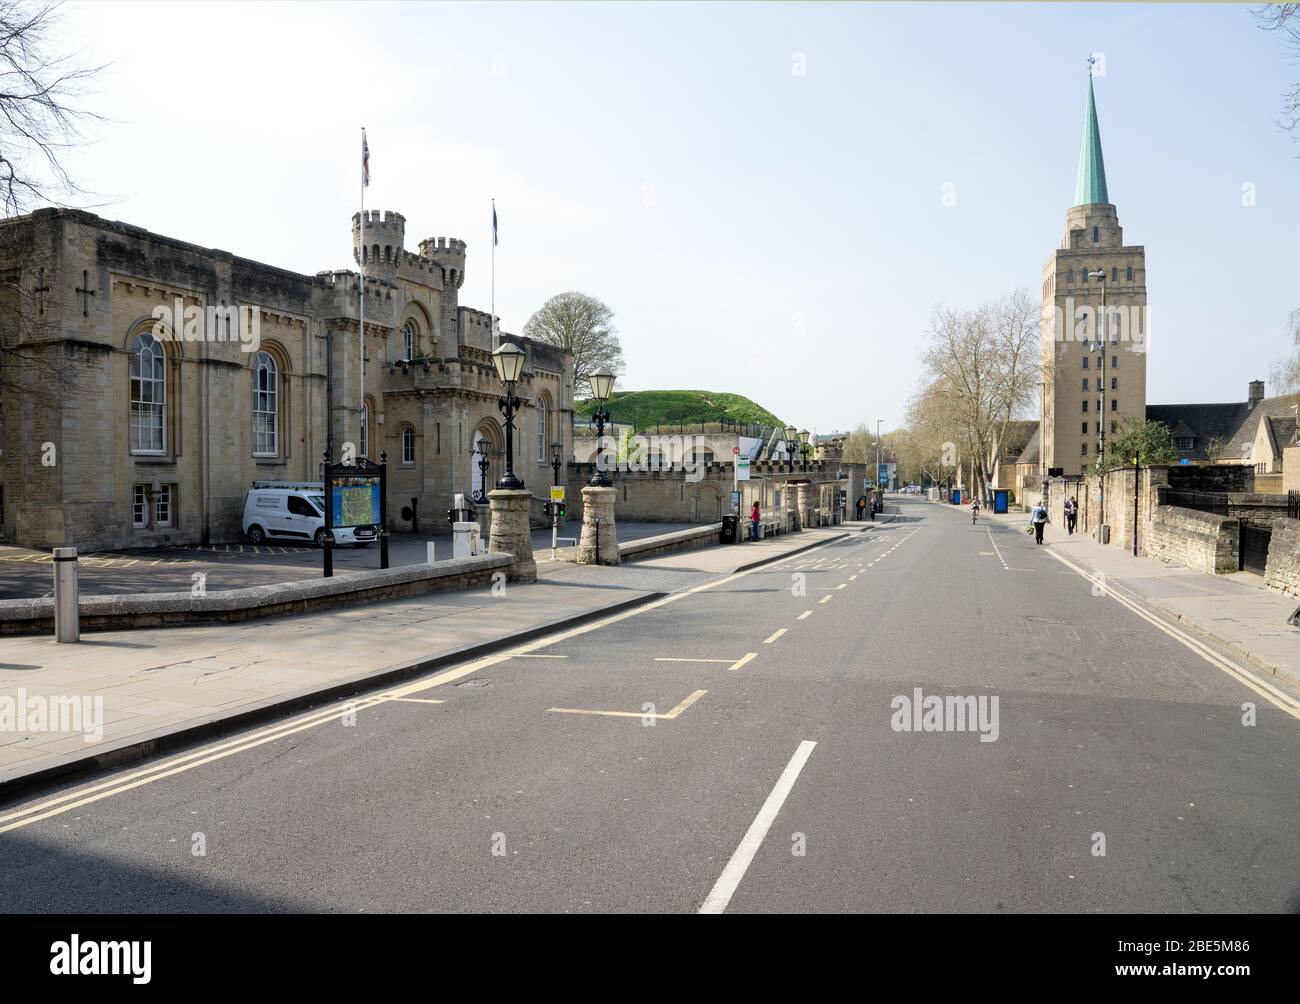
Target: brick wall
x=1283, y=569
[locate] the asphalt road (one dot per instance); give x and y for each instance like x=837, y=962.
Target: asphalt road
x=1108, y=729
x=26, y=572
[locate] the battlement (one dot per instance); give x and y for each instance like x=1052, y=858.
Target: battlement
x=385, y=236
x=448, y=253
x=431, y=246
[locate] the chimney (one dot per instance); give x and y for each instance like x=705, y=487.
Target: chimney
x=1256, y=392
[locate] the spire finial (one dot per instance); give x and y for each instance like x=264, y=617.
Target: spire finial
x=1090, y=186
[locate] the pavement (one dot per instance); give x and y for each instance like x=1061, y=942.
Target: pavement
x=760, y=741
x=28, y=571
x=163, y=684
x=1235, y=611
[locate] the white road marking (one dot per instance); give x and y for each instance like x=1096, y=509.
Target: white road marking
x=741, y=661
x=806, y=613
x=732, y=875
x=774, y=635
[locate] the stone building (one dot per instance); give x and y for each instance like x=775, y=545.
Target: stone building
x=1090, y=385
x=147, y=382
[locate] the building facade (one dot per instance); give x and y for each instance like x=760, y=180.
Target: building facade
x=1094, y=364
x=147, y=382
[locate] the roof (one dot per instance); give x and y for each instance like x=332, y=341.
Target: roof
x=1032, y=448
x=1234, y=425
x=1090, y=186
x=1019, y=433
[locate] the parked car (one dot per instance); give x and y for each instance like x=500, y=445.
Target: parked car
x=295, y=513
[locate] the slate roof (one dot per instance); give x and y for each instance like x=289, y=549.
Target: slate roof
x=1032, y=448
x=1235, y=425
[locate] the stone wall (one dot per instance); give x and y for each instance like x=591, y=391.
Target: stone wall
x=1291, y=469
x=1199, y=540
x=1283, y=569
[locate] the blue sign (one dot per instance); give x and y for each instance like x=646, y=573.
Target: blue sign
x=1184, y=462
x=355, y=501
x=882, y=474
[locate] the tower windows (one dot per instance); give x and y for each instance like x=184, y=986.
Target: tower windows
x=1085, y=428
x=266, y=406
x=1085, y=362
x=1114, y=383
x=1114, y=362
x=1085, y=384
x=1128, y=273
x=1114, y=273
x=1069, y=277
x=1085, y=404
x=1083, y=450
x=1114, y=404
x=1096, y=234
x=148, y=395
x=408, y=340
x=408, y=445
x=1085, y=273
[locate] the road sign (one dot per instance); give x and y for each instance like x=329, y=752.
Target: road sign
x=735, y=451
x=742, y=468
x=735, y=502
x=557, y=493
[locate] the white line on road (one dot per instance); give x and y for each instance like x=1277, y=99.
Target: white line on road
x=732, y=875
x=806, y=613
x=774, y=635
x=741, y=661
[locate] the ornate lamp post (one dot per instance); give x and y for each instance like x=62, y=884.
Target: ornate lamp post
x=509, y=363
x=602, y=384
x=480, y=450
x=790, y=433
x=557, y=454
x=804, y=436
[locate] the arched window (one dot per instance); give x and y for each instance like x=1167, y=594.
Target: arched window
x=541, y=429
x=408, y=341
x=266, y=406
x=408, y=445
x=365, y=430
x=148, y=395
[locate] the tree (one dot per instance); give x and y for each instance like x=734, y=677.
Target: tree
x=1285, y=17
x=582, y=325
x=859, y=447
x=983, y=365
x=39, y=116
x=1150, y=442
x=1285, y=375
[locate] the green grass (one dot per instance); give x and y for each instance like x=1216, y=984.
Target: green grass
x=653, y=407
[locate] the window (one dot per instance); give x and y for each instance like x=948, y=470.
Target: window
x=1114, y=273
x=408, y=445
x=1114, y=383
x=1085, y=362
x=266, y=408
x=1128, y=274
x=162, y=506
x=1114, y=405
x=1185, y=442
x=408, y=341
x=1085, y=428
x=1085, y=383
x=365, y=430
x=1096, y=234
x=1085, y=404
x=148, y=395
x=139, y=505
x=299, y=506
x=1085, y=273
x=541, y=430
x=1114, y=362
x=1069, y=277
x=1083, y=450
x=1113, y=428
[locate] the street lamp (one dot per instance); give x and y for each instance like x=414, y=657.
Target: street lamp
x=790, y=433
x=509, y=363
x=804, y=436
x=1100, y=275
x=602, y=385
x=557, y=453
x=480, y=449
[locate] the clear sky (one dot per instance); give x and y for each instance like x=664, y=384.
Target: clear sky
x=755, y=229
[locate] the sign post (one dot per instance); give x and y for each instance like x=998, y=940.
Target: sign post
x=356, y=496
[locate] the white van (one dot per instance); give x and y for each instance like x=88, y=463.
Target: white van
x=294, y=512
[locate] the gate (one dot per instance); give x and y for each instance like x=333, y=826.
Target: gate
x=1254, y=547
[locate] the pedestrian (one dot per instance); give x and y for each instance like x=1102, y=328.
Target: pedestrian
x=862, y=506
x=754, y=519
x=1039, y=519
x=1071, y=515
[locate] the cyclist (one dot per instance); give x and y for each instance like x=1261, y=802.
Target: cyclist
x=974, y=509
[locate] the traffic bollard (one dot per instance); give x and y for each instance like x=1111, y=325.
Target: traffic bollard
x=67, y=623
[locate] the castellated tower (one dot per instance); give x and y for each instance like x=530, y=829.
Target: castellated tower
x=385, y=233
x=448, y=254
x=1094, y=367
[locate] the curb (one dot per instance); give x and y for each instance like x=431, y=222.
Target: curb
x=143, y=748
x=1204, y=633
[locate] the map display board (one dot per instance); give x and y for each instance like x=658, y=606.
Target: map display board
x=354, y=500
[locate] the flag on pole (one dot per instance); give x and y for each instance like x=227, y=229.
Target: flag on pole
x=365, y=161
x=494, y=222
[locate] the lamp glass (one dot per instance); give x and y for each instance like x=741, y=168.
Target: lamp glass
x=509, y=362
x=804, y=436
x=602, y=384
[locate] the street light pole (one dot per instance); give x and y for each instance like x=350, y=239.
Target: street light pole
x=879, y=461
x=509, y=363
x=1100, y=274
x=602, y=385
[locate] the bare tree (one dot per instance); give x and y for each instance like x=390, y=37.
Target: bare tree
x=1285, y=375
x=583, y=325
x=1285, y=18
x=40, y=119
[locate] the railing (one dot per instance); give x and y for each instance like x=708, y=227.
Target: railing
x=1212, y=502
x=1293, y=504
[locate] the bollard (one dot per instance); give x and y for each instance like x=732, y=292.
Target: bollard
x=429, y=556
x=67, y=623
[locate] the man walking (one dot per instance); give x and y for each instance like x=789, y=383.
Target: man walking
x=1071, y=515
x=1039, y=520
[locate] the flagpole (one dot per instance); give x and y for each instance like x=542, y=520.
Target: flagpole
x=494, y=275
x=362, y=265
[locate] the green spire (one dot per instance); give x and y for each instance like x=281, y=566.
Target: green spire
x=1091, y=185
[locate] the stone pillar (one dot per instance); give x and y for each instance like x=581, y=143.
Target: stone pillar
x=510, y=532
x=483, y=517
x=803, y=489
x=598, y=510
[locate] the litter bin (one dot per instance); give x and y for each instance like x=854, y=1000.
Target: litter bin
x=729, y=524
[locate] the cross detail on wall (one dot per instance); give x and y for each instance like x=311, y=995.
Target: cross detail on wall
x=40, y=291
x=85, y=291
